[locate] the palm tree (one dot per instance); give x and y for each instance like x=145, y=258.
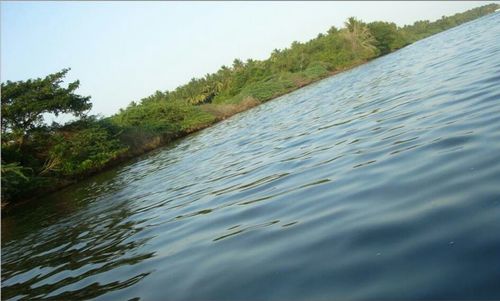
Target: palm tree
x=238, y=65
x=359, y=36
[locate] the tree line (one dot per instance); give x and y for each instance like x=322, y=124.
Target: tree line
x=37, y=157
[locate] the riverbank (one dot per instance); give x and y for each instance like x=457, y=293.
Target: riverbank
x=220, y=111
x=38, y=159
x=388, y=171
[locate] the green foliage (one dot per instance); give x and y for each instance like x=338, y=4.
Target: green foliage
x=279, y=84
x=387, y=36
x=13, y=177
x=19, y=181
x=162, y=116
x=25, y=102
x=36, y=156
x=78, y=152
x=14, y=170
x=196, y=119
x=336, y=50
x=263, y=90
x=423, y=29
x=359, y=39
x=268, y=89
x=315, y=71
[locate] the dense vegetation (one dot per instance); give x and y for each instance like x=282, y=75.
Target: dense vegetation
x=37, y=157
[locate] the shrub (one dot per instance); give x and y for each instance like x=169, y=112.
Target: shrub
x=223, y=111
x=83, y=151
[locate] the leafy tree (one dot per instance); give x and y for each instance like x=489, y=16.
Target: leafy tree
x=36, y=156
x=333, y=30
x=25, y=102
x=387, y=37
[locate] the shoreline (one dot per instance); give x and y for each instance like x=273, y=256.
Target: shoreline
x=6, y=207
x=137, y=143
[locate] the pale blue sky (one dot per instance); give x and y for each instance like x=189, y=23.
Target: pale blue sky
x=124, y=51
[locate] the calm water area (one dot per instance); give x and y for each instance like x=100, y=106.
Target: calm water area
x=382, y=182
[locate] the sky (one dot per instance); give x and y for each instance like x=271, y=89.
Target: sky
x=125, y=51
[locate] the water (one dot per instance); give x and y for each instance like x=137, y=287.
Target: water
x=379, y=183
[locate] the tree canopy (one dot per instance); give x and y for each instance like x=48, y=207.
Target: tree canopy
x=25, y=102
x=37, y=157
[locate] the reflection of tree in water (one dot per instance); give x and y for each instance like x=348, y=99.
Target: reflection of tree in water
x=69, y=253
x=29, y=217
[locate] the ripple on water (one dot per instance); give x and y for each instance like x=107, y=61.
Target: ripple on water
x=377, y=183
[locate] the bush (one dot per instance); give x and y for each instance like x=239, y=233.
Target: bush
x=266, y=89
x=83, y=151
x=14, y=177
x=223, y=111
x=315, y=70
x=163, y=117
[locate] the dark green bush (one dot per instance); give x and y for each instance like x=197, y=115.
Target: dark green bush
x=83, y=151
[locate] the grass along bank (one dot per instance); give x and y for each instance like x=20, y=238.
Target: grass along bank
x=38, y=158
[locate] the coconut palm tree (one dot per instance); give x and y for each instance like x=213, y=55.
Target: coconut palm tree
x=359, y=37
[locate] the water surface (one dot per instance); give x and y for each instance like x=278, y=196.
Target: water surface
x=382, y=182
